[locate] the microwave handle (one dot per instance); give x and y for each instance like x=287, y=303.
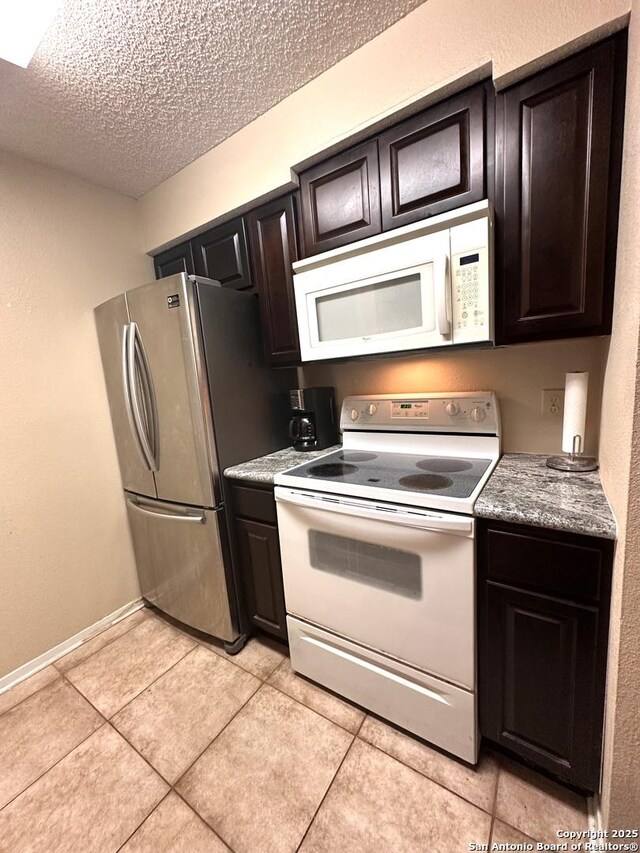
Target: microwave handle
x=420, y=520
x=442, y=297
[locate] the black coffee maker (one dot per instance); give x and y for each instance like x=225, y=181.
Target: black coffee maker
x=313, y=424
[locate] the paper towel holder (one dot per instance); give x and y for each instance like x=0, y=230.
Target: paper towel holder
x=574, y=426
x=573, y=461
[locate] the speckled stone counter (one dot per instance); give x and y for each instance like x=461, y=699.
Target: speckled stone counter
x=523, y=490
x=264, y=468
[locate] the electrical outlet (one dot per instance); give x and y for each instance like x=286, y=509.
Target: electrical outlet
x=553, y=403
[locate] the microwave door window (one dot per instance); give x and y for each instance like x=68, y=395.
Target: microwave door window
x=373, y=310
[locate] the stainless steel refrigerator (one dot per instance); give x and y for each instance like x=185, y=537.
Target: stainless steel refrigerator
x=189, y=395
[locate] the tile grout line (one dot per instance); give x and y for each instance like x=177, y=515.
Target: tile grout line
x=63, y=673
x=167, y=782
x=230, y=658
x=495, y=792
x=319, y=713
x=199, y=816
x=226, y=725
x=129, y=837
x=424, y=776
x=115, y=639
x=324, y=796
x=55, y=764
x=35, y=692
x=150, y=684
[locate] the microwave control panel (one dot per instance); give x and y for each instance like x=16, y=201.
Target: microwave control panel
x=471, y=265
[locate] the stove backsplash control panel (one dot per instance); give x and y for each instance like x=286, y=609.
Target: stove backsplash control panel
x=474, y=412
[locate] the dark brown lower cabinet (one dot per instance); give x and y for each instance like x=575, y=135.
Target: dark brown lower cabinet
x=257, y=558
x=543, y=631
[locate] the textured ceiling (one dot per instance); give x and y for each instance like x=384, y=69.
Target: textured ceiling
x=127, y=92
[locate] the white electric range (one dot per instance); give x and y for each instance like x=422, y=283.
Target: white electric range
x=378, y=559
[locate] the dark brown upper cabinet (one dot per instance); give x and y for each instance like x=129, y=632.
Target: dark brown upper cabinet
x=273, y=248
x=558, y=148
x=543, y=601
x=178, y=259
x=221, y=254
x=435, y=161
x=341, y=199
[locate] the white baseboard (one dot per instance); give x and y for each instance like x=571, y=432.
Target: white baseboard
x=31, y=667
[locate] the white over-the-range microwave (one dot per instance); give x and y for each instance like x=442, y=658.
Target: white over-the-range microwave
x=429, y=284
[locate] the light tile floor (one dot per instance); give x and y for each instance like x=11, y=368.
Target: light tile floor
x=148, y=739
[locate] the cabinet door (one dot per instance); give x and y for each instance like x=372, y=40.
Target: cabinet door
x=539, y=679
x=341, y=199
x=178, y=259
x=259, y=553
x=272, y=241
x=221, y=254
x=558, y=154
x=435, y=161
x=542, y=633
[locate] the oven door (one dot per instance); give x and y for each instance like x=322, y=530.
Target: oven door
x=397, y=579
x=404, y=307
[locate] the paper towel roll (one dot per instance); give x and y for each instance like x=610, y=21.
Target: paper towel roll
x=575, y=410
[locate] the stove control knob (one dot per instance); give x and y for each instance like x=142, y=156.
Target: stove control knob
x=372, y=409
x=355, y=414
x=452, y=408
x=478, y=414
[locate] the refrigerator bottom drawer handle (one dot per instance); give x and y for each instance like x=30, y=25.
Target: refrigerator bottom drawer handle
x=200, y=518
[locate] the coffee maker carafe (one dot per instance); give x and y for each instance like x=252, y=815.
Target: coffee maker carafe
x=313, y=424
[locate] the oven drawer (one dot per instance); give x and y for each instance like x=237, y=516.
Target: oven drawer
x=432, y=709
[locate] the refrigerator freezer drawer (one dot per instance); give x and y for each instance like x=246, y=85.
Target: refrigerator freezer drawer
x=430, y=708
x=180, y=564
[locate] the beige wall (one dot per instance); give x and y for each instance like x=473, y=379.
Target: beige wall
x=517, y=374
x=438, y=42
x=620, y=471
x=65, y=552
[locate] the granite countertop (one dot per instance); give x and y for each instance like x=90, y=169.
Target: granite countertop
x=523, y=490
x=264, y=468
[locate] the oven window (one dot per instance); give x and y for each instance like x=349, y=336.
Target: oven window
x=375, y=565
x=374, y=309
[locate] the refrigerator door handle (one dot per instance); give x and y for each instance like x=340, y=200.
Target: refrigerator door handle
x=126, y=348
x=198, y=518
x=135, y=347
x=146, y=384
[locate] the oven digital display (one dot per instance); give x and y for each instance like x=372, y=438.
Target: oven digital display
x=409, y=410
x=470, y=259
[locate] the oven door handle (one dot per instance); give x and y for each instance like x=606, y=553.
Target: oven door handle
x=421, y=520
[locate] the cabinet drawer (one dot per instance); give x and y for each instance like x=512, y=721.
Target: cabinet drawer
x=254, y=503
x=562, y=565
